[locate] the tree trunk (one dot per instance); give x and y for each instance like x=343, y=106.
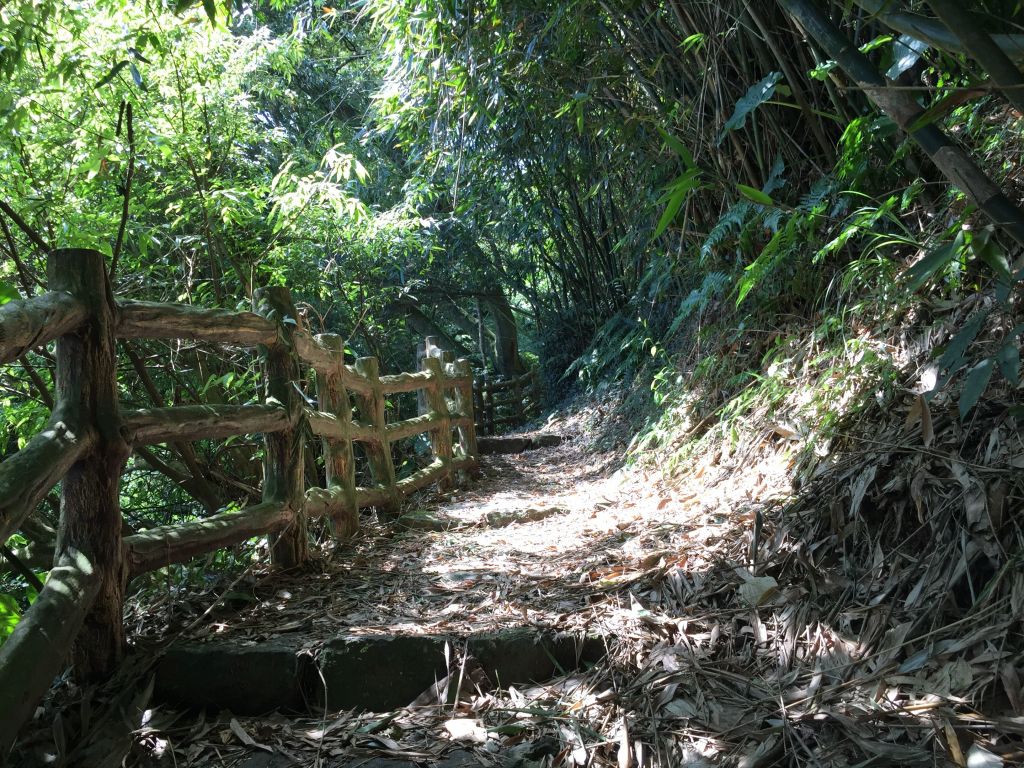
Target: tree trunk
x=422, y=325
x=506, y=336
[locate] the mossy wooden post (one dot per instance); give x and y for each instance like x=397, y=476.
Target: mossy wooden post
x=90, y=511
x=338, y=459
x=283, y=465
x=371, y=412
x=488, y=395
x=478, y=403
x=421, y=352
x=464, y=407
x=441, y=436
x=518, y=411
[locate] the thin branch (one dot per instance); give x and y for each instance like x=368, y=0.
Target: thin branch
x=126, y=108
x=21, y=224
x=21, y=568
x=25, y=277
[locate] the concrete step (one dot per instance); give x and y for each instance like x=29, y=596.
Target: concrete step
x=376, y=673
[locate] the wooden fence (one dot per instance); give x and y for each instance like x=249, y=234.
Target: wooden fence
x=506, y=402
x=89, y=437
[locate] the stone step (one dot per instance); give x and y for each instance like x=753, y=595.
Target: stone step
x=375, y=673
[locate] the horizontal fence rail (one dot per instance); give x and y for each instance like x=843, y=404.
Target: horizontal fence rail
x=506, y=402
x=89, y=437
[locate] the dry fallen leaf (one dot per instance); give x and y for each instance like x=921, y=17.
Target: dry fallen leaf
x=466, y=729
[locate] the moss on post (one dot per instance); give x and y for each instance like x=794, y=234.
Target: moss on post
x=370, y=407
x=338, y=459
x=90, y=511
x=283, y=467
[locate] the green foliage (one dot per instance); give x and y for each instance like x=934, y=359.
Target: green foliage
x=9, y=616
x=755, y=96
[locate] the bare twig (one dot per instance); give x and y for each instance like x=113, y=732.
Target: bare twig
x=126, y=110
x=24, y=226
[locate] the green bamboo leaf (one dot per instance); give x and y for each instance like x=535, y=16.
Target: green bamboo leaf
x=975, y=385
x=987, y=249
x=755, y=96
x=210, y=6
x=112, y=73
x=921, y=271
x=675, y=196
x=755, y=195
x=943, y=107
x=678, y=147
x=675, y=202
x=953, y=357
x=1008, y=359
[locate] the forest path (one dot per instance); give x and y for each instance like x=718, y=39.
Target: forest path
x=558, y=539
x=518, y=546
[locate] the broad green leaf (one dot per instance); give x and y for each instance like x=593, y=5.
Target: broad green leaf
x=907, y=51
x=943, y=107
x=678, y=147
x=9, y=616
x=755, y=96
x=112, y=73
x=754, y=195
x=821, y=71
x=953, y=358
x=876, y=43
x=676, y=195
x=210, y=6
x=987, y=249
x=693, y=41
x=975, y=385
x=921, y=271
x=8, y=292
x=1008, y=359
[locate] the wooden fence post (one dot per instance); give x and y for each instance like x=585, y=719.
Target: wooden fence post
x=338, y=459
x=464, y=406
x=421, y=352
x=478, y=403
x=90, y=511
x=441, y=436
x=489, y=405
x=283, y=465
x=518, y=407
x=371, y=412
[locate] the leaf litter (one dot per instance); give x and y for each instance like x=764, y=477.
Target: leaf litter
x=872, y=618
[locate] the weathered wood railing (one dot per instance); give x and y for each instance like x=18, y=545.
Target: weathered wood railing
x=89, y=438
x=506, y=402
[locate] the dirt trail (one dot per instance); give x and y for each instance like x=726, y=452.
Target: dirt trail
x=724, y=647
x=525, y=544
